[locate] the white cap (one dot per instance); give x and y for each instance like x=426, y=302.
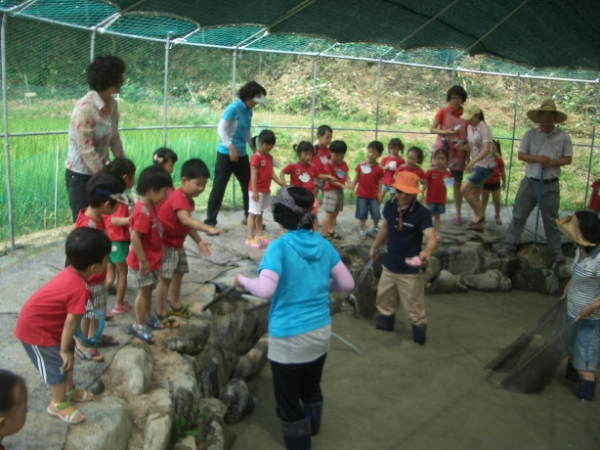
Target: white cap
x=261, y=99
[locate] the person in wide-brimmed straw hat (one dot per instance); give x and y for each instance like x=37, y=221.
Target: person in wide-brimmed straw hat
x=405, y=223
x=545, y=149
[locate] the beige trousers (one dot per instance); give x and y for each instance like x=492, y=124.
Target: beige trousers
x=394, y=288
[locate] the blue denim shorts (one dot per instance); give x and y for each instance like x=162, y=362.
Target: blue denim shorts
x=585, y=344
x=364, y=206
x=480, y=175
x=439, y=208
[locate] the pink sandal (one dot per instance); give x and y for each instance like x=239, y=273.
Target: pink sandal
x=457, y=220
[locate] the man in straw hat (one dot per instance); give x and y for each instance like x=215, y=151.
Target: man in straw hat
x=405, y=223
x=545, y=149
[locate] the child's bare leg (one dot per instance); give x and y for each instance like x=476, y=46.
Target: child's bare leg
x=436, y=222
x=122, y=270
x=496, y=199
x=162, y=289
x=315, y=222
x=485, y=197
x=85, y=330
x=142, y=304
x=251, y=226
x=458, y=197
x=59, y=391
x=259, y=224
x=362, y=224
x=110, y=275
x=333, y=222
x=175, y=290
x=326, y=223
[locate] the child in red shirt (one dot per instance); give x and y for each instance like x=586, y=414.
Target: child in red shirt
x=166, y=158
x=594, y=205
x=305, y=174
x=259, y=188
x=333, y=199
x=493, y=183
x=145, y=254
x=434, y=189
x=390, y=164
x=48, y=320
x=322, y=154
x=175, y=215
x=369, y=175
x=102, y=191
x=414, y=158
x=117, y=228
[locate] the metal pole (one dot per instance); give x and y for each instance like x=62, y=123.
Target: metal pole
x=166, y=88
x=314, y=101
x=56, y=164
x=11, y=228
x=453, y=72
x=188, y=146
x=93, y=45
x=512, y=142
x=378, y=91
x=233, y=86
x=587, y=186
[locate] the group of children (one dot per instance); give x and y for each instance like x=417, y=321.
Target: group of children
x=115, y=236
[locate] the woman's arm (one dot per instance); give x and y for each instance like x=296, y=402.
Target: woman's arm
x=341, y=279
x=264, y=286
x=116, y=146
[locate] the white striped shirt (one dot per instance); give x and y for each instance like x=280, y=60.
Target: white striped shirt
x=585, y=284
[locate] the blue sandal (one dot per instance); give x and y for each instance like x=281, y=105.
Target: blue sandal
x=154, y=323
x=142, y=333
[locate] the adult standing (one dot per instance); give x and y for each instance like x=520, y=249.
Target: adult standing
x=481, y=165
x=405, y=223
x=234, y=135
x=545, y=149
x=94, y=128
x=451, y=132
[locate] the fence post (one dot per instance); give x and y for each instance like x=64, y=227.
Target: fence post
x=454, y=72
x=378, y=91
x=587, y=186
x=314, y=101
x=56, y=163
x=166, y=88
x=11, y=227
x=188, y=146
x=93, y=44
x=512, y=142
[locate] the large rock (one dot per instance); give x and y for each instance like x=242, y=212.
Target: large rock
x=187, y=443
x=191, y=337
x=446, y=282
x=433, y=268
x=489, y=281
x=508, y=265
x=460, y=260
x=214, y=369
x=136, y=364
x=212, y=406
x=543, y=281
x=366, y=292
x=534, y=257
x=108, y=425
x=215, y=434
x=157, y=431
x=250, y=364
x=184, y=390
x=238, y=400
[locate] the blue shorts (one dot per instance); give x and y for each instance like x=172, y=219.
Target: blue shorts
x=364, y=206
x=480, y=175
x=439, y=208
x=48, y=363
x=585, y=344
x=388, y=188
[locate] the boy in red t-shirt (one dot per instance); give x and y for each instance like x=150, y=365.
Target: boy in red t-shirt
x=322, y=154
x=259, y=188
x=434, y=190
x=175, y=215
x=333, y=199
x=390, y=164
x=145, y=254
x=305, y=174
x=369, y=175
x=48, y=320
x=102, y=191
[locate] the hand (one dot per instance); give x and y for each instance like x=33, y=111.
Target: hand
x=502, y=187
x=373, y=255
x=67, y=358
x=450, y=131
x=424, y=256
x=237, y=283
x=544, y=161
x=587, y=311
x=233, y=155
x=204, y=248
x=351, y=194
x=255, y=196
x=469, y=167
x=214, y=231
x=144, y=268
x=380, y=198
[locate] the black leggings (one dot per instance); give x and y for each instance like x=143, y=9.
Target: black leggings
x=76, y=183
x=294, y=383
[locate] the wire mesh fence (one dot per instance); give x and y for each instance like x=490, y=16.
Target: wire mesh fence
x=175, y=92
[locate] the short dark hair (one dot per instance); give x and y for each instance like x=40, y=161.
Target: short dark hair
x=265, y=136
x=290, y=219
x=443, y=151
x=338, y=147
x=86, y=246
x=120, y=167
x=105, y=72
x=303, y=146
x=166, y=154
x=153, y=177
x=376, y=145
x=194, y=168
x=457, y=90
x=498, y=147
x=101, y=186
x=251, y=90
x=396, y=142
x=418, y=152
x=8, y=383
x=324, y=129
x=589, y=225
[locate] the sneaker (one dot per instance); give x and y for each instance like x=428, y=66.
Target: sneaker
x=362, y=234
x=263, y=240
x=374, y=230
x=252, y=243
x=507, y=250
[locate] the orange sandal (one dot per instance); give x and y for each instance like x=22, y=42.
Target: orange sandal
x=65, y=412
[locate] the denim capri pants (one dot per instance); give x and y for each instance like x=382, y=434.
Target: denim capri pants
x=364, y=206
x=586, y=342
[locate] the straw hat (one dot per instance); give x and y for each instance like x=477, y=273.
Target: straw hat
x=547, y=105
x=569, y=226
x=469, y=111
x=407, y=182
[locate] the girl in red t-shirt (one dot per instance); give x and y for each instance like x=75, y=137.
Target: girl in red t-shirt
x=166, y=158
x=259, y=188
x=414, y=158
x=390, y=164
x=493, y=183
x=434, y=191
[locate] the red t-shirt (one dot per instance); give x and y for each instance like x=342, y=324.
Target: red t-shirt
x=84, y=221
x=417, y=170
x=174, y=232
x=495, y=176
x=42, y=317
x=144, y=220
x=436, y=189
x=388, y=174
x=115, y=232
x=368, y=180
x=595, y=197
x=323, y=154
x=264, y=162
x=301, y=175
x=338, y=171
x=169, y=192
